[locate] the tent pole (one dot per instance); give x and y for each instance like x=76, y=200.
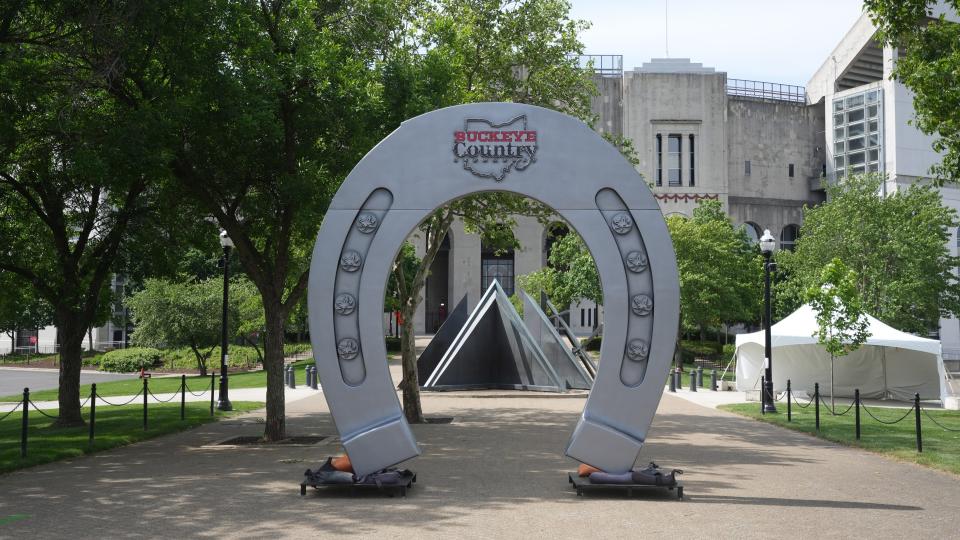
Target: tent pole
x=886, y=388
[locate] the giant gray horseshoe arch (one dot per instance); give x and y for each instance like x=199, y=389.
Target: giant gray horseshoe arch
x=544, y=155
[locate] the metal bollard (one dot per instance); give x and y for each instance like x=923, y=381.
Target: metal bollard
x=25, y=423
x=293, y=377
x=316, y=378
x=93, y=410
x=213, y=379
x=700, y=376
x=856, y=404
x=816, y=397
x=673, y=381
x=713, y=380
x=677, y=379
x=916, y=407
x=693, y=381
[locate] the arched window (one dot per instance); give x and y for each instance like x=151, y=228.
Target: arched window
x=788, y=237
x=753, y=231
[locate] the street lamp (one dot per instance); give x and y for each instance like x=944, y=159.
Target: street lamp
x=224, y=403
x=767, y=245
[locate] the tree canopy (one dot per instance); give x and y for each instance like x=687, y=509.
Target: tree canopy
x=896, y=245
x=720, y=271
x=570, y=274
x=929, y=65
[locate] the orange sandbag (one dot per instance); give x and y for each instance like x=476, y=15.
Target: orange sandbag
x=342, y=463
x=585, y=470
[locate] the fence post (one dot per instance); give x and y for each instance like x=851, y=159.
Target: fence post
x=816, y=408
x=856, y=404
x=93, y=410
x=789, y=397
x=183, y=396
x=145, y=394
x=212, y=383
x=916, y=407
x=26, y=422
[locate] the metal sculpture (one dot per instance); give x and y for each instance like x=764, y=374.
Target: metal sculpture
x=446, y=154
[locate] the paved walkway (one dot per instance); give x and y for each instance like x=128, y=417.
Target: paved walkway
x=497, y=471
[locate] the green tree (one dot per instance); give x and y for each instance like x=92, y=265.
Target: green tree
x=570, y=274
x=929, y=65
x=78, y=156
x=471, y=51
x=278, y=101
x=896, y=245
x=188, y=314
x=20, y=307
x=841, y=324
x=720, y=271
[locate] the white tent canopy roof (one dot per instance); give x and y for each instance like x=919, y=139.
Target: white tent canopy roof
x=800, y=328
x=890, y=363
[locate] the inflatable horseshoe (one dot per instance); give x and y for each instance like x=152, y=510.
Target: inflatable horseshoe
x=446, y=154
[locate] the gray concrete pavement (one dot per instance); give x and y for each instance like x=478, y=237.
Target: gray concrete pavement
x=14, y=380
x=497, y=471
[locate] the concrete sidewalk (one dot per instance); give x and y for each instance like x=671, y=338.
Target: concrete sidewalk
x=497, y=471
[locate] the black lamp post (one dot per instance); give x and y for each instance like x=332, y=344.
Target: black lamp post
x=224, y=403
x=767, y=244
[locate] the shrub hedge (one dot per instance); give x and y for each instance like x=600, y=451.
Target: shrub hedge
x=130, y=360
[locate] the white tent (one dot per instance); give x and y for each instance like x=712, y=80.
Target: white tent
x=891, y=364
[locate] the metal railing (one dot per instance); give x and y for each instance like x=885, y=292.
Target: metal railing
x=766, y=90
x=605, y=65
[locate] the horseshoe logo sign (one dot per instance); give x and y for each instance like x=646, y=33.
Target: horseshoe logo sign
x=409, y=175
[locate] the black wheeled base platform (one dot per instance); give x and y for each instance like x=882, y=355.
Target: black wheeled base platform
x=406, y=482
x=583, y=484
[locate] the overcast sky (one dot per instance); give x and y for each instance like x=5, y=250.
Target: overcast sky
x=765, y=40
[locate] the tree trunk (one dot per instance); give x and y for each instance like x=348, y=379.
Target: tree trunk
x=201, y=361
x=275, y=428
x=411, y=386
x=71, y=360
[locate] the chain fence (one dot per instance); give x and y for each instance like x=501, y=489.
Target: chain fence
x=95, y=399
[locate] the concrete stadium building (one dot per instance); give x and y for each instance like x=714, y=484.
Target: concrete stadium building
x=763, y=149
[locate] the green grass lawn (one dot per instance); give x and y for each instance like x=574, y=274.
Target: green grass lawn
x=941, y=448
x=161, y=385
x=115, y=426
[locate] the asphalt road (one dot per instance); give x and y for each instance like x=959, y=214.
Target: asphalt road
x=14, y=380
